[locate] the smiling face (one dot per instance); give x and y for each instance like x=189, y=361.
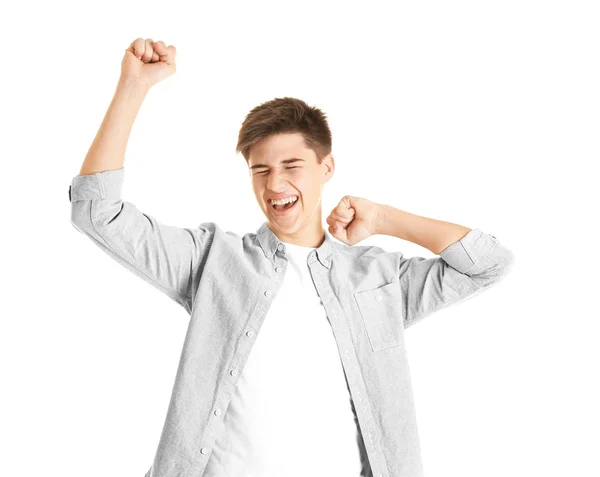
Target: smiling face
x=282, y=166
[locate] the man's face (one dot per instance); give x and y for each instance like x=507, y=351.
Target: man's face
x=282, y=166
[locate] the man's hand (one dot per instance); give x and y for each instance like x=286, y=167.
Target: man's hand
x=354, y=219
x=147, y=62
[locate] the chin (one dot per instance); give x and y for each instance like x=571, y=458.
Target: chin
x=287, y=226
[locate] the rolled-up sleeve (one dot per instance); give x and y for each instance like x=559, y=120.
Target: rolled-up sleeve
x=463, y=269
x=163, y=255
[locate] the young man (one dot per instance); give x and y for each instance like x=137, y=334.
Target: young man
x=294, y=361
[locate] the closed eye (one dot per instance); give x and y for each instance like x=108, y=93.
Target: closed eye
x=292, y=167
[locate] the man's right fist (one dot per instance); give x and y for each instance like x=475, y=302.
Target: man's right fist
x=148, y=61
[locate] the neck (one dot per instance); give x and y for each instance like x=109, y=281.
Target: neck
x=312, y=235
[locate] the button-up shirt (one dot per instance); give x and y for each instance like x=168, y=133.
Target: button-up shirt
x=292, y=384
x=226, y=282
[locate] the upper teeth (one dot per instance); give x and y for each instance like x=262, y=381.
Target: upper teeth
x=284, y=201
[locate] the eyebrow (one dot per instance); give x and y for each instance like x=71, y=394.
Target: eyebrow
x=285, y=161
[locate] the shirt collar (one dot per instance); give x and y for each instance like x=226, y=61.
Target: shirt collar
x=269, y=243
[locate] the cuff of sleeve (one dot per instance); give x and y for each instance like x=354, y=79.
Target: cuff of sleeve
x=99, y=185
x=469, y=250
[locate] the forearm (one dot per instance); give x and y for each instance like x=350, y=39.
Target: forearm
x=432, y=234
x=108, y=148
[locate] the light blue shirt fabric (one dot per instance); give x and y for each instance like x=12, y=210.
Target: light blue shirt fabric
x=226, y=282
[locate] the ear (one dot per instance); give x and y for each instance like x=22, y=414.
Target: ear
x=329, y=164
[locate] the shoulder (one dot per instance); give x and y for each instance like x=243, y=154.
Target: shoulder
x=229, y=238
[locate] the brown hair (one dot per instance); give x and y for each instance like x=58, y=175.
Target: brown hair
x=286, y=115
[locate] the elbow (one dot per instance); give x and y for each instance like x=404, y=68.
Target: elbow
x=504, y=263
x=493, y=268
x=81, y=217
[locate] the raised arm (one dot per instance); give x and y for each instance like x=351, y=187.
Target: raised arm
x=144, y=64
x=165, y=256
x=463, y=270
x=469, y=262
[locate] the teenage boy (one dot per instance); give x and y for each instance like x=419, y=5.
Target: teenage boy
x=294, y=362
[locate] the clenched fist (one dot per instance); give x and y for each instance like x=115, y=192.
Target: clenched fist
x=355, y=219
x=148, y=61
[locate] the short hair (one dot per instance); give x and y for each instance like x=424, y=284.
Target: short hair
x=285, y=115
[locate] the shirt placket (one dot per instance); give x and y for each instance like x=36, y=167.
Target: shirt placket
x=269, y=288
x=320, y=274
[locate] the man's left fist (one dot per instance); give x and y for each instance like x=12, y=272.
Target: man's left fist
x=354, y=219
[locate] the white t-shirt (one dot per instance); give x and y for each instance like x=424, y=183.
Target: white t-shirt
x=291, y=414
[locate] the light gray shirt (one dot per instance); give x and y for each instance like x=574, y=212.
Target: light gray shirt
x=226, y=282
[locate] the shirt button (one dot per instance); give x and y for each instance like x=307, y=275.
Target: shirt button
x=217, y=412
x=378, y=298
x=326, y=262
x=233, y=372
x=249, y=333
x=204, y=450
x=280, y=247
x=278, y=269
x=268, y=293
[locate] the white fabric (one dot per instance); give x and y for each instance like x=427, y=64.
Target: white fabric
x=268, y=429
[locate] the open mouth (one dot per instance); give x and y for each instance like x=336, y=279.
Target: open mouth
x=285, y=208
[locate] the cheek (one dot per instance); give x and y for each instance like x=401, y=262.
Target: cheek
x=306, y=187
x=259, y=192
x=310, y=191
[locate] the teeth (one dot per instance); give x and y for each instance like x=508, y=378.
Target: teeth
x=284, y=201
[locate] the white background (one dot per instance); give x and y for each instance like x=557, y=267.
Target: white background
x=480, y=113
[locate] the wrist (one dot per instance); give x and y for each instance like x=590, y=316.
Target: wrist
x=380, y=218
x=132, y=86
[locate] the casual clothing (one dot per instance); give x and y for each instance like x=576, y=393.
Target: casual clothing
x=291, y=395
x=230, y=286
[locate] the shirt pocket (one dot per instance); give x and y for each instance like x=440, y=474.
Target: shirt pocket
x=381, y=312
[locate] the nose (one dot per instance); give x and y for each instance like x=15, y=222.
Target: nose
x=275, y=180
